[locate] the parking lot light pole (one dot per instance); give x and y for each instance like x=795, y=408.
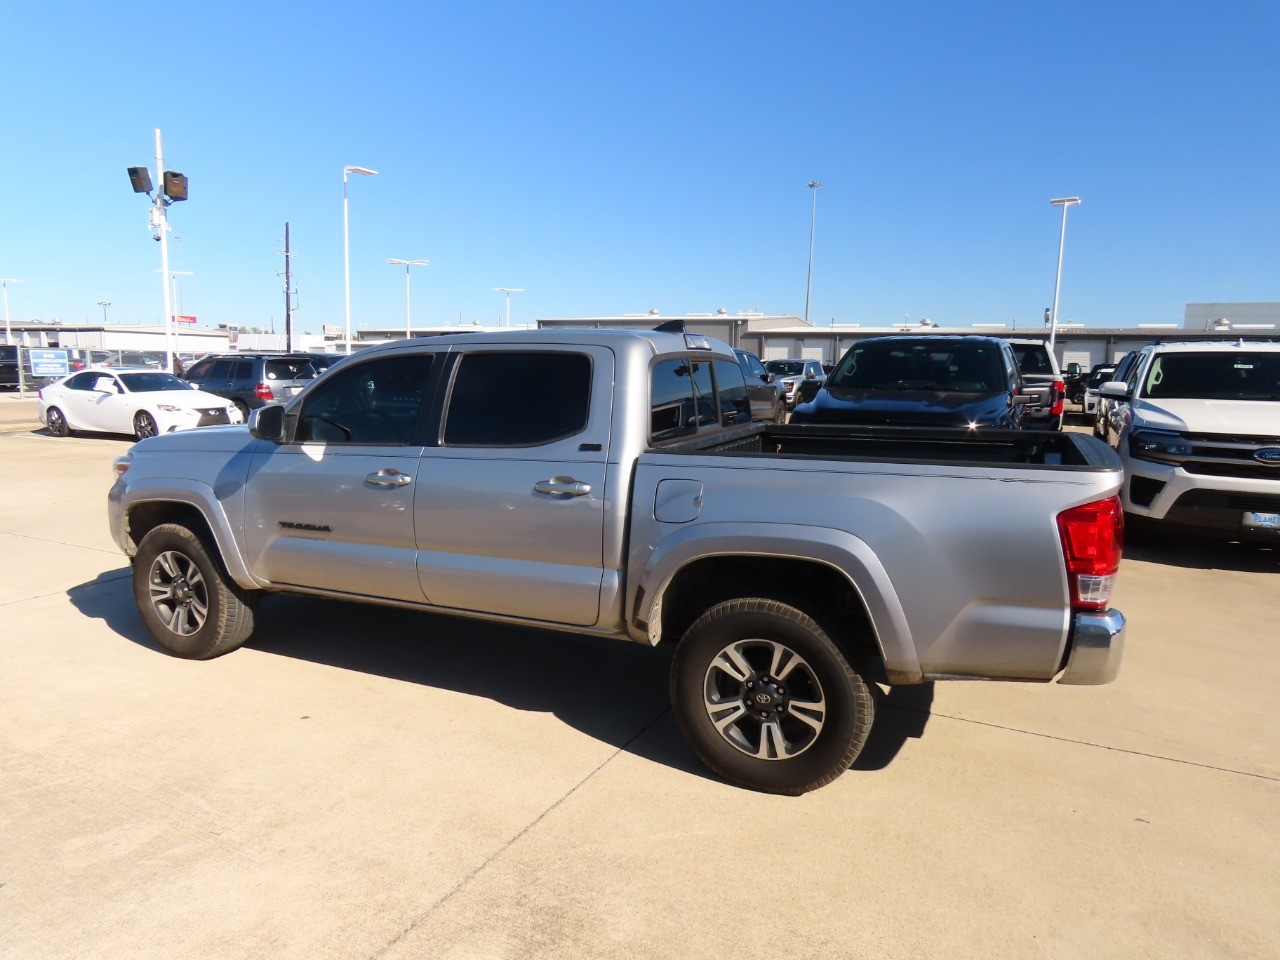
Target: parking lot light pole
x=813, y=212
x=8, y=338
x=408, y=321
x=104, y=304
x=346, y=242
x=508, y=291
x=1064, y=203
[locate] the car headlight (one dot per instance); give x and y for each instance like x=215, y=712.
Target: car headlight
x=1153, y=445
x=170, y=408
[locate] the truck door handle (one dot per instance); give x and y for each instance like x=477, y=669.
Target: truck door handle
x=562, y=487
x=389, y=477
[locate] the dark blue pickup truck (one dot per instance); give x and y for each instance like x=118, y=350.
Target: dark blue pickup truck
x=930, y=380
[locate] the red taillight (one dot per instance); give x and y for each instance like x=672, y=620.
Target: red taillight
x=264, y=392
x=1059, y=394
x=1092, y=538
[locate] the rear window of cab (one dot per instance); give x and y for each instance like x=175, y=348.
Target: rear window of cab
x=693, y=394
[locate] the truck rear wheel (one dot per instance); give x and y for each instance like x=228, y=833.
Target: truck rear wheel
x=185, y=597
x=766, y=699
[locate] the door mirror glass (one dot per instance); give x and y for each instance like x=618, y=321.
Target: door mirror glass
x=267, y=423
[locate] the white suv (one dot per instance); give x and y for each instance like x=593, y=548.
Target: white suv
x=1199, y=434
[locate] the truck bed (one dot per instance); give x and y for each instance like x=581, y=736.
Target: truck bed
x=943, y=447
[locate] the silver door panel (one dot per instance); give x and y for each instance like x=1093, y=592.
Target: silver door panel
x=314, y=520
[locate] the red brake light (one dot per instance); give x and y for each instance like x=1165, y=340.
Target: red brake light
x=264, y=392
x=1059, y=394
x=1092, y=538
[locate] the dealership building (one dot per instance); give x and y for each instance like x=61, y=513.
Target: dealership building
x=777, y=337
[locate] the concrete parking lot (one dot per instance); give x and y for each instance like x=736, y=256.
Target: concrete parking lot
x=360, y=782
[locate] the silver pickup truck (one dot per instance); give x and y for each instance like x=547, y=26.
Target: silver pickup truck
x=611, y=483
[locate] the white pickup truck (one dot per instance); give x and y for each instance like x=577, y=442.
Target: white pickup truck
x=611, y=483
x=1199, y=435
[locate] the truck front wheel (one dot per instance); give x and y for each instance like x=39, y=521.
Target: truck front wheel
x=185, y=597
x=766, y=699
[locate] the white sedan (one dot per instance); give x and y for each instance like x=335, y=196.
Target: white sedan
x=142, y=402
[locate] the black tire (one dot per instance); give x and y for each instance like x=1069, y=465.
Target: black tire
x=56, y=420
x=822, y=686
x=144, y=425
x=186, y=598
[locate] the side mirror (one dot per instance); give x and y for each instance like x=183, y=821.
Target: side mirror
x=1073, y=369
x=1032, y=396
x=810, y=375
x=766, y=378
x=267, y=423
x=1114, y=389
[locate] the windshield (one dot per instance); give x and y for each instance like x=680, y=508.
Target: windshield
x=1032, y=357
x=152, y=382
x=895, y=365
x=785, y=368
x=1100, y=376
x=1215, y=376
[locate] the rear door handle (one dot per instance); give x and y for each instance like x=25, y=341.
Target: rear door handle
x=389, y=477
x=562, y=487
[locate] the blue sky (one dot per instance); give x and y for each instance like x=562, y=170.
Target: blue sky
x=611, y=158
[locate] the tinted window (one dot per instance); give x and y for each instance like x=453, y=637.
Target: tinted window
x=152, y=382
x=518, y=399
x=82, y=381
x=671, y=401
x=785, y=368
x=734, y=405
x=221, y=370
x=374, y=402
x=1033, y=358
x=914, y=365
x=200, y=370
x=289, y=370
x=243, y=371
x=1215, y=376
x=751, y=365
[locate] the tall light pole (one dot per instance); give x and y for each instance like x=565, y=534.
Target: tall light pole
x=508, y=291
x=408, y=322
x=346, y=241
x=170, y=187
x=104, y=304
x=813, y=212
x=7, y=337
x=1064, y=203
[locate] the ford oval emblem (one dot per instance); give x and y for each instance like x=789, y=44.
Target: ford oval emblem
x=1268, y=455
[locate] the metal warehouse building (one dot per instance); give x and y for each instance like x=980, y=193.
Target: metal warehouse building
x=778, y=336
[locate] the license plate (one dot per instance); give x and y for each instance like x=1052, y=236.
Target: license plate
x=293, y=391
x=1265, y=521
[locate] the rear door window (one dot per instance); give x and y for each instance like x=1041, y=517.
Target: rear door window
x=518, y=399
x=222, y=369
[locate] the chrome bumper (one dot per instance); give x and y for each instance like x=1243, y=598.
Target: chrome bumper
x=1097, y=646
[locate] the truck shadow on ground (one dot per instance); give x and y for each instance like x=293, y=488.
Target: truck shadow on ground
x=613, y=691
x=1148, y=543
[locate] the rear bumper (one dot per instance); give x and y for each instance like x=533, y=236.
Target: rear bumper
x=1097, y=647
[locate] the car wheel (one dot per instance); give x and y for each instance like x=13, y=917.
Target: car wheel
x=766, y=699
x=243, y=408
x=144, y=425
x=186, y=599
x=57, y=422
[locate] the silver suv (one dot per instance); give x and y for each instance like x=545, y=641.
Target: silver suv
x=252, y=380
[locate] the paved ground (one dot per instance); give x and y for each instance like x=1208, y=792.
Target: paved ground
x=366, y=783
